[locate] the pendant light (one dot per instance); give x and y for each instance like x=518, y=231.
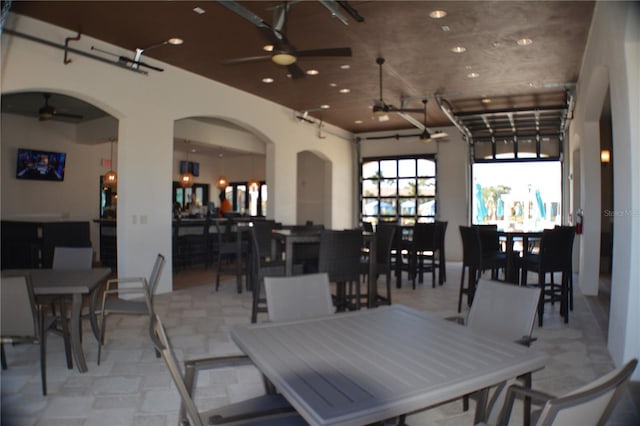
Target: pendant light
x=221, y=182
x=186, y=178
x=110, y=178
x=253, y=184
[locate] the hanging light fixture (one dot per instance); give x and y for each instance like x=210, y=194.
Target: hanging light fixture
x=186, y=178
x=222, y=181
x=253, y=184
x=110, y=178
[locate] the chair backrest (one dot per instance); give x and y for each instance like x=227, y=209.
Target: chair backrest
x=489, y=238
x=589, y=404
x=155, y=274
x=471, y=246
x=367, y=226
x=385, y=235
x=503, y=310
x=425, y=236
x=442, y=230
x=263, y=230
x=18, y=314
x=298, y=297
x=70, y=258
x=162, y=344
x=339, y=254
x=556, y=248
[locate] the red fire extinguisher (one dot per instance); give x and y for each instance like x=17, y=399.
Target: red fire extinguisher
x=579, y=219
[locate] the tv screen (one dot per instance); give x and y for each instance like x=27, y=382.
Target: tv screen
x=40, y=165
x=191, y=167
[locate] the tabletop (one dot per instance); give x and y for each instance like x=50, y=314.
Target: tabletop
x=367, y=366
x=57, y=281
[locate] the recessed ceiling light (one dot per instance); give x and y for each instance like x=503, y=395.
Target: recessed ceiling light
x=268, y=47
x=333, y=85
x=473, y=75
x=267, y=80
x=345, y=90
x=176, y=41
x=358, y=121
x=345, y=66
x=459, y=49
x=445, y=28
x=325, y=106
x=437, y=14
x=199, y=10
x=313, y=72
x=486, y=100
x=524, y=42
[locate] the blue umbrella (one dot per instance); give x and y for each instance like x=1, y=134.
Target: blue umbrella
x=541, y=208
x=481, y=208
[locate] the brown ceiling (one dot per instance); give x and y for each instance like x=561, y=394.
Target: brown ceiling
x=417, y=51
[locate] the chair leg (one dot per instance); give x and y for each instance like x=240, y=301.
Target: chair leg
x=541, y=300
x=43, y=351
x=461, y=289
x=388, y=277
x=3, y=357
x=103, y=322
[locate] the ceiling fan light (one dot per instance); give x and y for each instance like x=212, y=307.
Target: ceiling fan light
x=283, y=58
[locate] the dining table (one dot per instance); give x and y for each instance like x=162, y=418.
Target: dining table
x=370, y=365
x=509, y=237
x=74, y=284
x=289, y=238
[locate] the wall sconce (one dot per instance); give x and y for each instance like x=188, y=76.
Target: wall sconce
x=605, y=156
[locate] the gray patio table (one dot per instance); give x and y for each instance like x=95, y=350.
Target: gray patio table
x=367, y=366
x=52, y=282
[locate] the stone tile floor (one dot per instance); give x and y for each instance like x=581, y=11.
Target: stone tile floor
x=132, y=387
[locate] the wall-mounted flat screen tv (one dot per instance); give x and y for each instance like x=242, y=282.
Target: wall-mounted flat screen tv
x=191, y=167
x=41, y=165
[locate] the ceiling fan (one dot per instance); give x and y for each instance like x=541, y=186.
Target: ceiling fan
x=424, y=137
x=48, y=111
x=283, y=52
x=380, y=107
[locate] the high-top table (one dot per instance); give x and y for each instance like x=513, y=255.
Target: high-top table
x=367, y=366
x=54, y=282
x=290, y=238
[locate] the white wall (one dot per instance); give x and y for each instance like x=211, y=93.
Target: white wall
x=146, y=108
x=612, y=59
x=77, y=198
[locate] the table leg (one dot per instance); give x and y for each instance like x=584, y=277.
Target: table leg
x=372, y=283
x=289, y=257
x=76, y=323
x=526, y=421
x=239, y=260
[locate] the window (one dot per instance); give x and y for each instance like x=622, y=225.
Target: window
x=400, y=190
x=520, y=196
x=248, y=200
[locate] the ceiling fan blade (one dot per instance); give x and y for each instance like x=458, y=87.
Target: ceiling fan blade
x=246, y=59
x=336, y=51
x=239, y=10
x=438, y=135
x=295, y=71
x=68, y=115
